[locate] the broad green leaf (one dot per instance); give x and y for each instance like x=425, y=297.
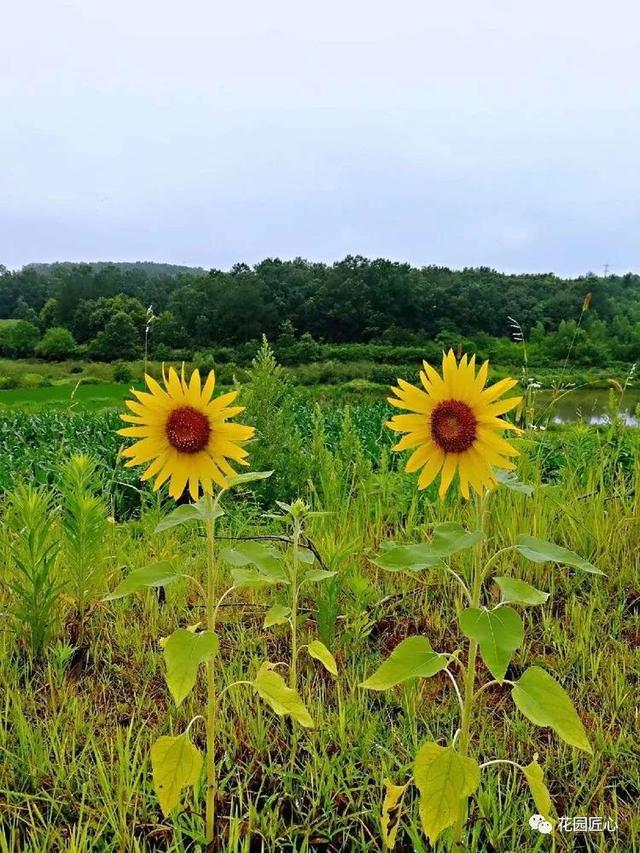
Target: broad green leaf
x=182, y=515
x=448, y=538
x=412, y=658
x=249, y=477
x=184, y=651
x=251, y=579
x=510, y=480
x=539, y=551
x=208, y=508
x=317, y=575
x=155, y=574
x=266, y=559
x=276, y=615
x=391, y=811
x=539, y=791
x=515, y=591
x=271, y=687
x=543, y=701
x=320, y=652
x=176, y=764
x=444, y=779
x=499, y=633
x=305, y=555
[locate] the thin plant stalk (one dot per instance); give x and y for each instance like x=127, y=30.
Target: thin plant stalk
x=470, y=671
x=293, y=669
x=211, y=686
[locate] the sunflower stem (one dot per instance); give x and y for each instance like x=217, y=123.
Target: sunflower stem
x=470, y=672
x=293, y=669
x=211, y=685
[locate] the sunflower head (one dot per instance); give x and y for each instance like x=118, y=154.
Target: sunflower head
x=454, y=425
x=184, y=433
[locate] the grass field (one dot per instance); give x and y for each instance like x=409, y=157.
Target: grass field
x=78, y=724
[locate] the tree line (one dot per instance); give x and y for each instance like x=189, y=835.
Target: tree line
x=103, y=312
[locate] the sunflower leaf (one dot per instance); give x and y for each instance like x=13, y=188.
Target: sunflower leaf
x=412, y=658
x=443, y=778
x=266, y=559
x=448, y=538
x=515, y=591
x=155, y=574
x=317, y=575
x=176, y=764
x=540, y=551
x=543, y=701
x=510, y=480
x=535, y=778
x=184, y=515
x=391, y=811
x=282, y=699
x=249, y=477
x=184, y=651
x=499, y=633
x=320, y=652
x=276, y=615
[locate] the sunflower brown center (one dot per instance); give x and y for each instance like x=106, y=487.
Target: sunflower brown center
x=188, y=430
x=453, y=426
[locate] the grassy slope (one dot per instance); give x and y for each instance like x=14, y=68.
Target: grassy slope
x=74, y=773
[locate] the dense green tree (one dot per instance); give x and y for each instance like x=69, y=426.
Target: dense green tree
x=355, y=300
x=57, y=344
x=23, y=337
x=119, y=340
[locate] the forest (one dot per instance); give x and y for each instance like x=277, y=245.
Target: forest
x=379, y=307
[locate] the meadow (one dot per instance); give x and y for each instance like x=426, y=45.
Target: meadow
x=79, y=717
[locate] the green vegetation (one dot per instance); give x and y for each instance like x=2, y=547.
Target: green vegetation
x=384, y=312
x=79, y=724
x=247, y=671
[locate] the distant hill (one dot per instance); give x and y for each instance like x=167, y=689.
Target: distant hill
x=149, y=267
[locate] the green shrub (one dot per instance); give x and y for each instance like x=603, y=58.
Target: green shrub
x=122, y=373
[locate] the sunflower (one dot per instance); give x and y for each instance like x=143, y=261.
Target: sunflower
x=184, y=433
x=455, y=424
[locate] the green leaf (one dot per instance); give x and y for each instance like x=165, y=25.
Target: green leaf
x=249, y=477
x=511, y=481
x=317, y=575
x=499, y=633
x=448, y=538
x=155, y=574
x=515, y=591
x=539, y=791
x=444, y=779
x=208, y=508
x=251, y=579
x=276, y=615
x=271, y=687
x=182, y=515
x=391, y=811
x=320, y=652
x=412, y=658
x=184, y=651
x=265, y=558
x=305, y=555
x=176, y=764
x=539, y=551
x=543, y=701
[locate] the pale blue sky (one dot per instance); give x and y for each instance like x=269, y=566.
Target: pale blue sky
x=478, y=132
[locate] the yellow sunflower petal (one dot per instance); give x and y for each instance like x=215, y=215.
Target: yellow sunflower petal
x=412, y=439
x=501, y=407
x=447, y=474
x=498, y=389
x=208, y=388
x=431, y=469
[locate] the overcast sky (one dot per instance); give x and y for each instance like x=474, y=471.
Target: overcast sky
x=478, y=132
